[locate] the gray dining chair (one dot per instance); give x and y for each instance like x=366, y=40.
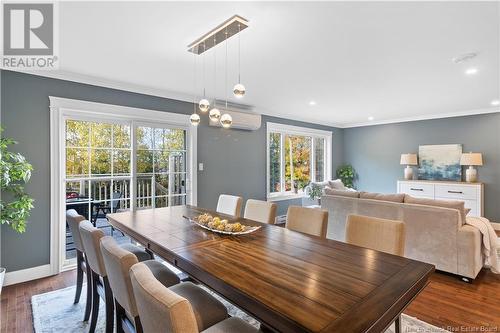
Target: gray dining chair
x=230, y=205
x=260, y=211
x=312, y=221
x=183, y=308
x=91, y=237
x=377, y=234
x=118, y=262
x=73, y=220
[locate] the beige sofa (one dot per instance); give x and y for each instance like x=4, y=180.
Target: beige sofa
x=435, y=235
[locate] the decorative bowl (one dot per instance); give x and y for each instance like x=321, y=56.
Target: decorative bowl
x=246, y=229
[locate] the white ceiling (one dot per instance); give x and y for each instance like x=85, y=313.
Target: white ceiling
x=387, y=60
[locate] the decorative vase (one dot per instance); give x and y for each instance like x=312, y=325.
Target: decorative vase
x=2, y=277
x=408, y=173
x=471, y=174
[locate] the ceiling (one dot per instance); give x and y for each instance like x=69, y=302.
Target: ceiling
x=386, y=60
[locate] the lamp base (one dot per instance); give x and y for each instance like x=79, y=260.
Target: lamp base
x=408, y=173
x=471, y=174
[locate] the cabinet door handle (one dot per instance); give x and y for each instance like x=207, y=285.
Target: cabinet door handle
x=456, y=192
x=417, y=189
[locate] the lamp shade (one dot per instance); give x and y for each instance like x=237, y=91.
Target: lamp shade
x=471, y=159
x=408, y=159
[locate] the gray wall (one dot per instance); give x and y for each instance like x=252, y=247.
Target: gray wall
x=234, y=160
x=374, y=151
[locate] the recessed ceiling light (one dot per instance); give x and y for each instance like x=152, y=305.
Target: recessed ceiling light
x=495, y=102
x=370, y=118
x=312, y=103
x=471, y=71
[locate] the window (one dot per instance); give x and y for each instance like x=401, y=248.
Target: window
x=296, y=156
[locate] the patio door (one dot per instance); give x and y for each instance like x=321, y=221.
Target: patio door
x=113, y=164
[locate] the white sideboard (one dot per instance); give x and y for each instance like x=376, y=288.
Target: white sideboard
x=471, y=193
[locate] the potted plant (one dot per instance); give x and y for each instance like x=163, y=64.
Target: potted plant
x=315, y=192
x=347, y=174
x=15, y=204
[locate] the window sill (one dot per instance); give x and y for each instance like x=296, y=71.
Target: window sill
x=287, y=196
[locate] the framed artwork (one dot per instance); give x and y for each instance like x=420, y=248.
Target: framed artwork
x=440, y=162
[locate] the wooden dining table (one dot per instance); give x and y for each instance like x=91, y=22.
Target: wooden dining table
x=288, y=281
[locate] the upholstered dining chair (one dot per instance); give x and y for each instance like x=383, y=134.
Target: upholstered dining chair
x=91, y=237
x=260, y=211
x=312, y=221
x=183, y=308
x=376, y=233
x=230, y=205
x=118, y=262
x=73, y=219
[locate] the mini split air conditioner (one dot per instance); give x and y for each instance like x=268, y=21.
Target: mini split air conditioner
x=241, y=119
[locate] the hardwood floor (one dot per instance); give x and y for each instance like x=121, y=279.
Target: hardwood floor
x=15, y=307
x=446, y=302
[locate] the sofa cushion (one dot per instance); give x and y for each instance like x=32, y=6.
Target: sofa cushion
x=336, y=184
x=454, y=204
x=384, y=197
x=350, y=194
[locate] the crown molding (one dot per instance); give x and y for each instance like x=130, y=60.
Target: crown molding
x=424, y=117
x=112, y=84
x=134, y=88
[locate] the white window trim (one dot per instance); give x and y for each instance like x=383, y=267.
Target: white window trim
x=60, y=109
x=303, y=131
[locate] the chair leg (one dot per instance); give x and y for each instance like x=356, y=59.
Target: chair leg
x=110, y=306
x=88, y=304
x=119, y=316
x=397, y=324
x=95, y=302
x=138, y=325
x=79, y=276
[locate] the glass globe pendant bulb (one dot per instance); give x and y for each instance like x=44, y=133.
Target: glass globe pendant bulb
x=204, y=105
x=195, y=119
x=239, y=90
x=214, y=115
x=226, y=120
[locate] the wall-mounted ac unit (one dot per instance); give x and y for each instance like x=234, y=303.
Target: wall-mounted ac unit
x=241, y=120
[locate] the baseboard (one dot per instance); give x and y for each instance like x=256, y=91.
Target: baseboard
x=28, y=274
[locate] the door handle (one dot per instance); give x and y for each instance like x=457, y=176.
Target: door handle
x=417, y=189
x=456, y=192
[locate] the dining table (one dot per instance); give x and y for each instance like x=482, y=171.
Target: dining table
x=288, y=281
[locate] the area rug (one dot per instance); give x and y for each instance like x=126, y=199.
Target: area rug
x=54, y=312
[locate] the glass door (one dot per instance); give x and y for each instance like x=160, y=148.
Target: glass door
x=98, y=171
x=161, y=167
x=104, y=158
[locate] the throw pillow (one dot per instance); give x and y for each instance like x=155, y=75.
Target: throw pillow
x=336, y=184
x=384, y=197
x=455, y=204
x=350, y=194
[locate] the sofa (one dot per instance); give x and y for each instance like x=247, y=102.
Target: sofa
x=435, y=235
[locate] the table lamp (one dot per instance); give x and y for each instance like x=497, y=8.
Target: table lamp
x=408, y=159
x=471, y=159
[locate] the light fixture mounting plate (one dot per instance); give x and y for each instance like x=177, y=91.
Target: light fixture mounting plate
x=232, y=26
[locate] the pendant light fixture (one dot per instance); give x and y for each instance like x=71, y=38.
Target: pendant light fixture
x=239, y=89
x=214, y=114
x=204, y=104
x=226, y=120
x=195, y=118
x=221, y=33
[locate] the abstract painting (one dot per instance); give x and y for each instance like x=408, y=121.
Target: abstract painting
x=440, y=162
